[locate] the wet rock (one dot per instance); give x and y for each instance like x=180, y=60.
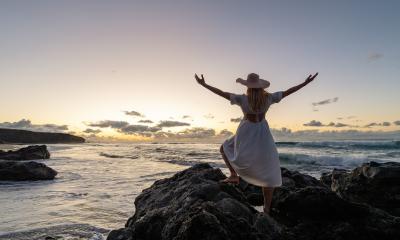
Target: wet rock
x=26, y=153
x=318, y=213
x=194, y=205
x=23, y=171
x=291, y=180
x=376, y=184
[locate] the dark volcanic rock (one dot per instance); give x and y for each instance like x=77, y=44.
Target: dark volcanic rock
x=23, y=171
x=291, y=180
x=194, y=205
x=26, y=153
x=377, y=184
x=24, y=136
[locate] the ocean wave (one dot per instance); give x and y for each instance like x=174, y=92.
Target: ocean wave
x=108, y=155
x=64, y=231
x=334, y=161
x=345, y=145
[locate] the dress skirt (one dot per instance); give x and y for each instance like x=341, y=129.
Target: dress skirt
x=252, y=153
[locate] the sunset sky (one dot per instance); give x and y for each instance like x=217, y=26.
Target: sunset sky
x=89, y=64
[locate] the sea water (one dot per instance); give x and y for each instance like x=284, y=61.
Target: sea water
x=96, y=184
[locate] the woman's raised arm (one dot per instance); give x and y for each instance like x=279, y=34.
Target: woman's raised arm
x=211, y=88
x=296, y=88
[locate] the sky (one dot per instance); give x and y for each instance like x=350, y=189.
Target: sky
x=88, y=67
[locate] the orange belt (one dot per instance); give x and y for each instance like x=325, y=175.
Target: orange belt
x=254, y=117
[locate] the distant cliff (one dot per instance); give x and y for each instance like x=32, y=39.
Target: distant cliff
x=24, y=136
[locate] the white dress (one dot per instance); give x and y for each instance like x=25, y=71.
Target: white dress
x=252, y=151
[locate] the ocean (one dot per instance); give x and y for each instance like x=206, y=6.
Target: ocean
x=97, y=183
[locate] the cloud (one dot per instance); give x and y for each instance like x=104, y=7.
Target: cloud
x=236, y=119
x=285, y=134
x=341, y=125
x=108, y=123
x=169, y=123
x=225, y=133
x=26, y=124
x=133, y=113
x=397, y=122
x=189, y=133
x=326, y=101
x=145, y=121
x=209, y=116
x=139, y=130
x=374, y=124
x=186, y=116
x=92, y=131
x=313, y=123
x=375, y=56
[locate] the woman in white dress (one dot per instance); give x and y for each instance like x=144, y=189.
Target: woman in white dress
x=251, y=153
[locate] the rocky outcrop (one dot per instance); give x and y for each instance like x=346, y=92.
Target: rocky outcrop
x=24, y=136
x=26, y=153
x=194, y=205
x=25, y=170
x=376, y=184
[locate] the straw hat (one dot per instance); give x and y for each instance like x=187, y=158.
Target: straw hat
x=254, y=81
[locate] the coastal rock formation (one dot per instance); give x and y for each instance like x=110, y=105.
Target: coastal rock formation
x=376, y=184
x=291, y=181
x=26, y=153
x=24, y=136
x=192, y=204
x=23, y=171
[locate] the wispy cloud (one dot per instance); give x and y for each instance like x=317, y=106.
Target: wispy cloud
x=108, y=123
x=92, y=131
x=374, y=124
x=209, y=116
x=326, y=101
x=374, y=56
x=133, y=113
x=168, y=123
x=145, y=121
x=139, y=130
x=238, y=119
x=26, y=124
x=313, y=123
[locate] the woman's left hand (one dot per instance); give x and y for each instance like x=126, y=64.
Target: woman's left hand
x=311, y=78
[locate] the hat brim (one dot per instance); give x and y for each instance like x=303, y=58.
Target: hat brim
x=260, y=84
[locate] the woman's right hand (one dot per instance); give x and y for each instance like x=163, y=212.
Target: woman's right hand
x=200, y=80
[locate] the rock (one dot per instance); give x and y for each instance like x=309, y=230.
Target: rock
x=192, y=204
x=28, y=137
x=326, y=178
x=291, y=180
x=26, y=153
x=376, y=184
x=318, y=213
x=23, y=171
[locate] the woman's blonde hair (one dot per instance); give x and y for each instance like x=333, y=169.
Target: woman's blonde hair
x=257, y=98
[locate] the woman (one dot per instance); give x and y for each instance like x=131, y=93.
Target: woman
x=251, y=153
